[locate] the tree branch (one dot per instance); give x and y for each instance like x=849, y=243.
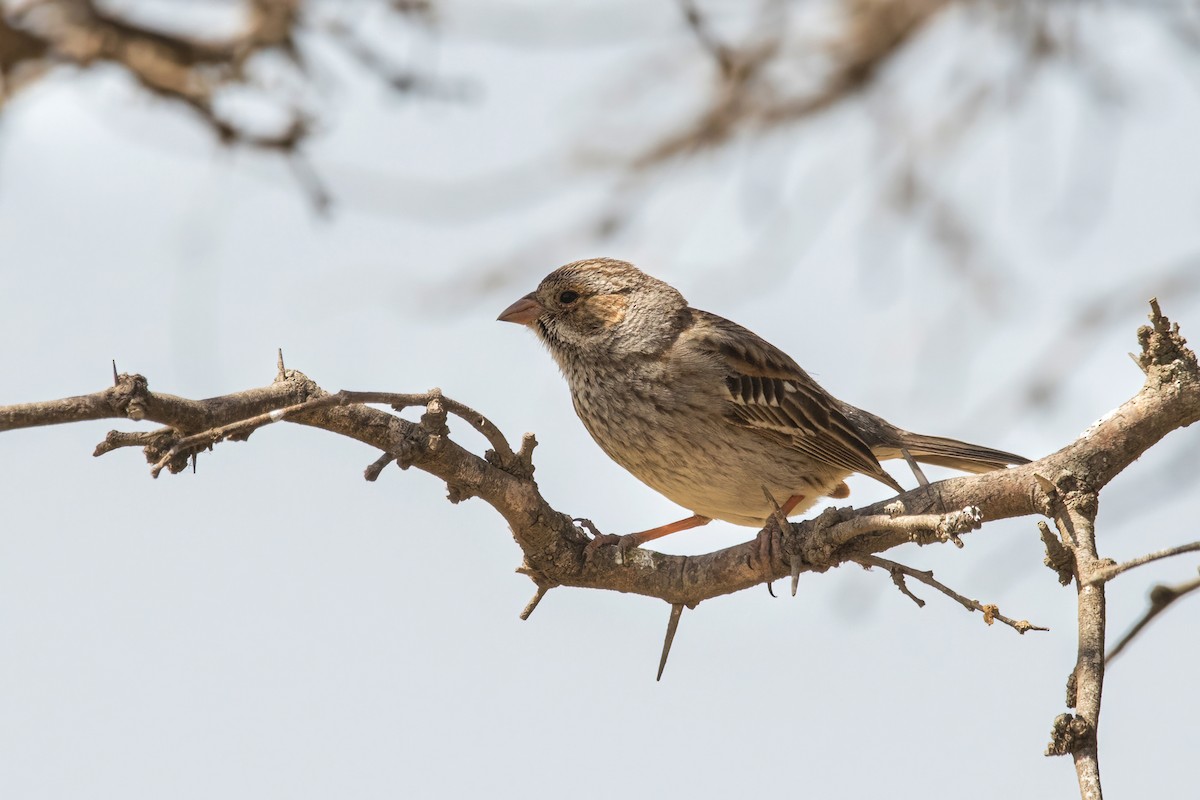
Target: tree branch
x=991, y=613
x=1107, y=573
x=1064, y=486
x=1161, y=597
x=554, y=546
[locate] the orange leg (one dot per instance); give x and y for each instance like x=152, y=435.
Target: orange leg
x=638, y=539
x=641, y=537
x=791, y=503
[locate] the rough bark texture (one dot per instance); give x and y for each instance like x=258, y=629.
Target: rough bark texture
x=1063, y=486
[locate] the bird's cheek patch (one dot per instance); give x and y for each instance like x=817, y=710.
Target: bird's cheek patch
x=608, y=309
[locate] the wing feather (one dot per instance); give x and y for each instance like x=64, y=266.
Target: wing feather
x=769, y=393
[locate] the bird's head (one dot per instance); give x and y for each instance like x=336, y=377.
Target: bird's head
x=600, y=304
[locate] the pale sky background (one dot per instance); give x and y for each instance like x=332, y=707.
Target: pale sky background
x=276, y=627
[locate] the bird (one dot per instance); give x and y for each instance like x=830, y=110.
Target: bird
x=707, y=413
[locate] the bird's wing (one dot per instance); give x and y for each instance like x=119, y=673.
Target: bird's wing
x=768, y=392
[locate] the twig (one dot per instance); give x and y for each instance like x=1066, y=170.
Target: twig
x=537, y=598
x=698, y=24
x=990, y=612
x=917, y=527
x=1161, y=596
x=1104, y=575
x=242, y=428
x=115, y=440
x=478, y=421
x=377, y=466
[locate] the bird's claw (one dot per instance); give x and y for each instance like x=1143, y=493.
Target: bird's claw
x=768, y=545
x=624, y=543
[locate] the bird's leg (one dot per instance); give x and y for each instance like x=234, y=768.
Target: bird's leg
x=631, y=540
x=764, y=543
x=641, y=537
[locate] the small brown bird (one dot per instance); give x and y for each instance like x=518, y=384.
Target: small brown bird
x=704, y=411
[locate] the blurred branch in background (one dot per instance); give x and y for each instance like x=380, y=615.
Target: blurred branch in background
x=201, y=56
x=930, y=82
x=773, y=65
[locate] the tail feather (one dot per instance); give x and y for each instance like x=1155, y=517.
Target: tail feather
x=952, y=453
x=887, y=441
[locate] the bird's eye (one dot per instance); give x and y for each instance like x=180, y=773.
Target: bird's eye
x=568, y=297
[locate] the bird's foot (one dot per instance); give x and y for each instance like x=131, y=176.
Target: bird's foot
x=768, y=546
x=623, y=543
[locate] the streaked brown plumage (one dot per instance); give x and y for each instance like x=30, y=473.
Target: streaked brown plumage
x=704, y=411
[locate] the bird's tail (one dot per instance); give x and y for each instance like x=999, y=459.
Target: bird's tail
x=952, y=453
x=887, y=441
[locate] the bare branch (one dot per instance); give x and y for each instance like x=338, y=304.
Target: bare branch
x=1074, y=504
x=1170, y=398
x=899, y=571
x=1106, y=574
x=1161, y=597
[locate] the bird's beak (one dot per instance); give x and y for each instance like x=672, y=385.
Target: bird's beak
x=522, y=312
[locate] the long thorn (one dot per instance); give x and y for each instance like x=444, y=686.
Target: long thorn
x=672, y=626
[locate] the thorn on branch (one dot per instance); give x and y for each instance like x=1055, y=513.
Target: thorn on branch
x=672, y=626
